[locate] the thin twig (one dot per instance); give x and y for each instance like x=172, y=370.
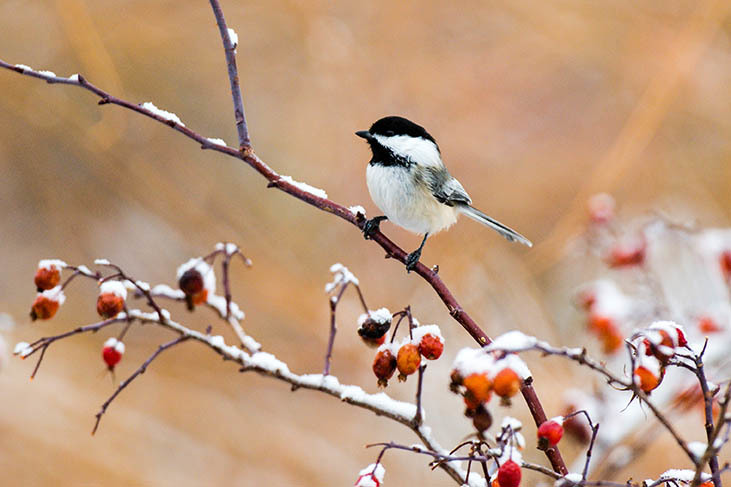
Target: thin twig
x=140, y=370
x=418, y=417
x=233, y=76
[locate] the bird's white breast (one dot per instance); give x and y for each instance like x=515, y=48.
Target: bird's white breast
x=405, y=202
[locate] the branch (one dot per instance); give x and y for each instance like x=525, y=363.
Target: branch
x=140, y=370
x=247, y=155
x=580, y=356
x=233, y=76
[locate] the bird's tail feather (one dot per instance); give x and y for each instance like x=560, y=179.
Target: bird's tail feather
x=506, y=232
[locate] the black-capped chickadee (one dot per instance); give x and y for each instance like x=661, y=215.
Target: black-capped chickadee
x=407, y=180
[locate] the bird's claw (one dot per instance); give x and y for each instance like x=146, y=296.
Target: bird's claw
x=412, y=259
x=371, y=226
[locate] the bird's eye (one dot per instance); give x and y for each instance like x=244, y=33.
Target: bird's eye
x=390, y=133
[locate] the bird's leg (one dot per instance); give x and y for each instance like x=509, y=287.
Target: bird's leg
x=372, y=225
x=413, y=258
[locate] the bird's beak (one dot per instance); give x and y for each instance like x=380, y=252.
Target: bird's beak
x=365, y=134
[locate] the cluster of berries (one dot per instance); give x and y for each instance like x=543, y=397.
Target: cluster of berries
x=195, y=278
x=476, y=375
x=654, y=347
x=423, y=341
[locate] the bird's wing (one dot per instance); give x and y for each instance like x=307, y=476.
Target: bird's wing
x=447, y=189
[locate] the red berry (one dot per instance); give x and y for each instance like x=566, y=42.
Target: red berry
x=431, y=347
x=112, y=352
x=508, y=475
x=627, y=255
x=550, y=432
x=384, y=366
x=408, y=360
x=47, y=278
x=726, y=264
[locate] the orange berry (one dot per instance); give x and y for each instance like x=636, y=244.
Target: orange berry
x=47, y=278
x=408, y=360
x=647, y=380
x=708, y=325
x=506, y=383
x=478, y=387
x=43, y=308
x=600, y=324
x=611, y=339
x=109, y=305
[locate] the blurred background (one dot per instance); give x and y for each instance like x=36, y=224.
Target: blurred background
x=536, y=106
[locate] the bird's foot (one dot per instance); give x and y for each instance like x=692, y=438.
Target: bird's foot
x=373, y=225
x=412, y=259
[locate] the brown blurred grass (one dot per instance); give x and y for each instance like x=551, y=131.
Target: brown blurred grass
x=535, y=105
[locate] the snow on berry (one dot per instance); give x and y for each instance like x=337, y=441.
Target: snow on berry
x=197, y=280
x=628, y=252
x=429, y=340
x=47, y=303
x=110, y=302
x=112, y=352
x=23, y=349
x=373, y=326
x=408, y=360
x=48, y=274
x=513, y=362
x=431, y=347
x=550, y=432
x=472, y=361
x=371, y=476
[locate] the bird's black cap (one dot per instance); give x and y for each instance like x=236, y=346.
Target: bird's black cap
x=394, y=125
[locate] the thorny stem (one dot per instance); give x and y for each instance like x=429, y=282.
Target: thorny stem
x=247, y=155
x=140, y=370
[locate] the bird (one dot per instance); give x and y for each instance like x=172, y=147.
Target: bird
x=410, y=184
